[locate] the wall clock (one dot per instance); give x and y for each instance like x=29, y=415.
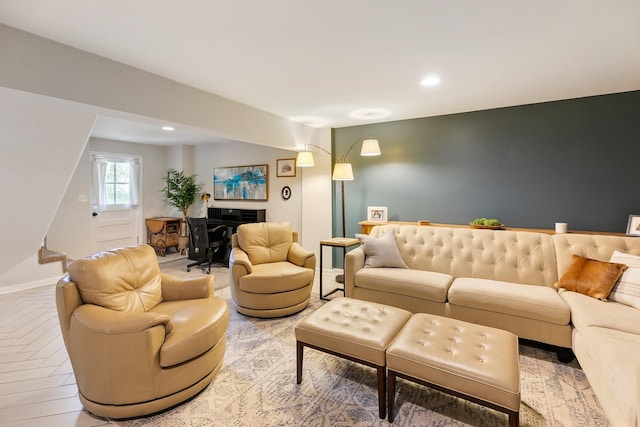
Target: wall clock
x=286, y=192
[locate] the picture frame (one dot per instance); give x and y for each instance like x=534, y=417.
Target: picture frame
x=377, y=214
x=286, y=167
x=633, y=225
x=241, y=183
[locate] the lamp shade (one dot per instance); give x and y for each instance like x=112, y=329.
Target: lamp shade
x=342, y=172
x=305, y=159
x=370, y=147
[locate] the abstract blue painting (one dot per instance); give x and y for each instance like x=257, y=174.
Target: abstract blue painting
x=241, y=183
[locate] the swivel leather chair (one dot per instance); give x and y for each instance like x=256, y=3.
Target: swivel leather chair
x=139, y=340
x=206, y=244
x=271, y=275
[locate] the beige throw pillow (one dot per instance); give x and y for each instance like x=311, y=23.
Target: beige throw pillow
x=627, y=290
x=381, y=252
x=590, y=277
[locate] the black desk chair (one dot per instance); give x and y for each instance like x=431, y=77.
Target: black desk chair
x=205, y=244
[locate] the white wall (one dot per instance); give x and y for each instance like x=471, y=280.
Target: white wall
x=41, y=140
x=71, y=225
x=316, y=200
x=241, y=154
x=51, y=93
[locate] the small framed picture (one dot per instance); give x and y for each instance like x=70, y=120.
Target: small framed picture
x=377, y=213
x=633, y=226
x=286, y=167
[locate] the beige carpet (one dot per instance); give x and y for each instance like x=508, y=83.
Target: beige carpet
x=257, y=387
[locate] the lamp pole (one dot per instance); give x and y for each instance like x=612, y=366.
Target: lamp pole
x=344, y=233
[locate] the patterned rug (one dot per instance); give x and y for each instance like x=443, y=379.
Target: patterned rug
x=257, y=387
x=178, y=268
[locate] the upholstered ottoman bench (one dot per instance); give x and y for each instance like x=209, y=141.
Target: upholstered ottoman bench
x=355, y=330
x=474, y=362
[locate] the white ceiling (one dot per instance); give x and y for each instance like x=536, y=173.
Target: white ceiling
x=319, y=61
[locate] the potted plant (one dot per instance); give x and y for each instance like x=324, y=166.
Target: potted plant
x=180, y=191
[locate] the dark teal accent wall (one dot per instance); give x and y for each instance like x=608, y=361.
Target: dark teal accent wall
x=574, y=161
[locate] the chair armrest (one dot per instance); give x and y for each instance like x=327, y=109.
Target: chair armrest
x=111, y=322
x=353, y=262
x=105, y=345
x=180, y=288
x=301, y=256
x=240, y=258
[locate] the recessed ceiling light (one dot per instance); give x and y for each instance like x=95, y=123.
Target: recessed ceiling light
x=167, y=128
x=430, y=81
x=370, y=114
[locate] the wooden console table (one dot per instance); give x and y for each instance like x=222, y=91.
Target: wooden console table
x=366, y=227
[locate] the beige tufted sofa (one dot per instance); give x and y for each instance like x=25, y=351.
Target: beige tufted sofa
x=505, y=279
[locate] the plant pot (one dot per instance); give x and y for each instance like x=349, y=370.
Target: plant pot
x=183, y=242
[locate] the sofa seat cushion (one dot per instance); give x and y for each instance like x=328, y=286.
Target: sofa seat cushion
x=427, y=285
x=615, y=353
x=529, y=301
x=276, y=277
x=587, y=311
x=198, y=325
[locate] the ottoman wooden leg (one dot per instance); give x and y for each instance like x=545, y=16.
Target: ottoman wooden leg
x=382, y=395
x=514, y=419
x=299, y=356
x=391, y=390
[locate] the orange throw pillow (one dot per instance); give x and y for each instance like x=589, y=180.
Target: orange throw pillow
x=591, y=277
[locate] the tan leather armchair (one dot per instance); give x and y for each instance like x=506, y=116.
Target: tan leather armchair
x=139, y=340
x=271, y=275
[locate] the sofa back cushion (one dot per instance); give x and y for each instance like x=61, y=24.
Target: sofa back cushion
x=592, y=246
x=510, y=256
x=126, y=279
x=265, y=241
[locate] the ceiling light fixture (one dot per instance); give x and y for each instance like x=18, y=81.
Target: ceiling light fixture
x=370, y=114
x=430, y=81
x=167, y=128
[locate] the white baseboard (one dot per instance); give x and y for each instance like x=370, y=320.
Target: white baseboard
x=29, y=285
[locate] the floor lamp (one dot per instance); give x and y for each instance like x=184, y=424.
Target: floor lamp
x=342, y=171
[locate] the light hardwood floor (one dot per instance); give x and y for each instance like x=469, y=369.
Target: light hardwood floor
x=37, y=386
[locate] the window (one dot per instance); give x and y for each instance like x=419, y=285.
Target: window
x=114, y=181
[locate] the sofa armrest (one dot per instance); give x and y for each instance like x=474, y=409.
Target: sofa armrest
x=105, y=344
x=353, y=261
x=239, y=266
x=105, y=321
x=240, y=258
x=180, y=288
x=301, y=256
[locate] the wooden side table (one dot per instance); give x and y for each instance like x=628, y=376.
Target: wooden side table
x=336, y=242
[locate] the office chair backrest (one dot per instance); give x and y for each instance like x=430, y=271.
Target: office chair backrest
x=198, y=237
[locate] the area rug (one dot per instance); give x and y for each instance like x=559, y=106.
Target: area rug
x=257, y=387
x=178, y=268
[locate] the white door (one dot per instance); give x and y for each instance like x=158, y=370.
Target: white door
x=115, y=228
x=115, y=221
